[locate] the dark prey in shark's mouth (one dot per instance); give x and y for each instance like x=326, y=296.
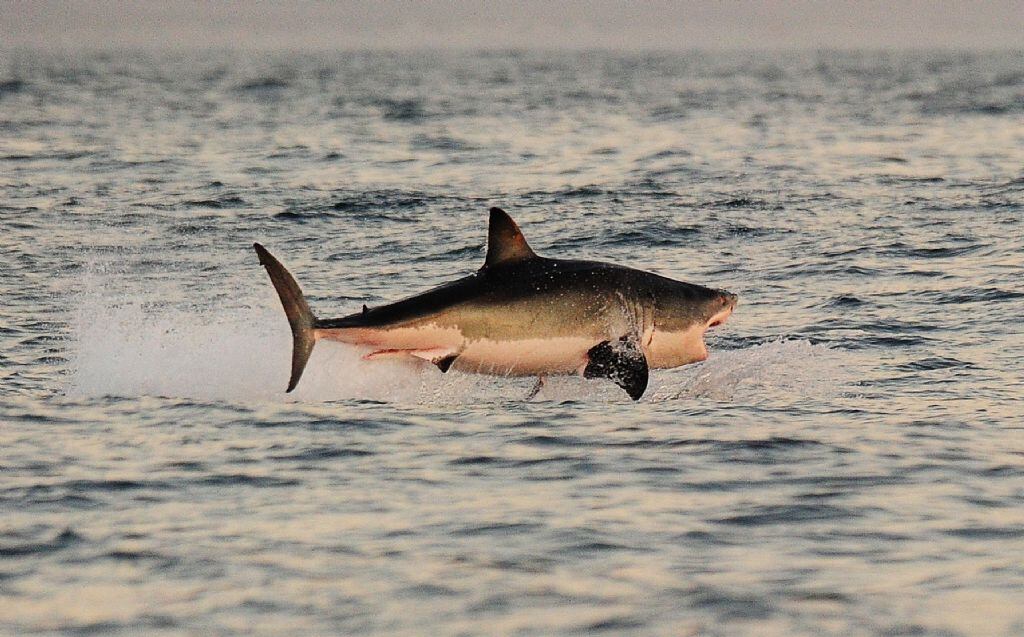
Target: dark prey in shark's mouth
x=525, y=315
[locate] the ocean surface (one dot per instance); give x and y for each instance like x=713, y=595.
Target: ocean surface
x=849, y=461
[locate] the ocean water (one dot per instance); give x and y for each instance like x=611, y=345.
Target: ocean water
x=849, y=461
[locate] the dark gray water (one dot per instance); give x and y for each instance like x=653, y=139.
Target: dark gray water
x=848, y=462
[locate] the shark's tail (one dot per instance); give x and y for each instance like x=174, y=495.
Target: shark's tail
x=300, y=317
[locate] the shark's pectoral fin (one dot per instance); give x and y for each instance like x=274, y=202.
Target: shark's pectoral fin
x=622, y=361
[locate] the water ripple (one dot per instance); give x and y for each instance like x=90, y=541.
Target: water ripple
x=845, y=461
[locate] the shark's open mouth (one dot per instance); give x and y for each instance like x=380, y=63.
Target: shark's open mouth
x=714, y=321
x=719, y=318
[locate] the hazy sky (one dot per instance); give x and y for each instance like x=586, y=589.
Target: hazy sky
x=657, y=24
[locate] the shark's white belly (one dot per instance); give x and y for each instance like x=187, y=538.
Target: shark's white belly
x=529, y=357
x=523, y=357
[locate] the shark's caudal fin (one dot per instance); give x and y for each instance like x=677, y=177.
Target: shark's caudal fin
x=300, y=317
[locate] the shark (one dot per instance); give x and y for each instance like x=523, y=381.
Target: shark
x=522, y=314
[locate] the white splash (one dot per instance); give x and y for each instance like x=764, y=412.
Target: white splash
x=242, y=354
x=799, y=368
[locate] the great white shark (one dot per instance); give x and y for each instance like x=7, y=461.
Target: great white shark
x=524, y=315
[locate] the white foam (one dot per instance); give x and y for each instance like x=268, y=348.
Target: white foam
x=798, y=368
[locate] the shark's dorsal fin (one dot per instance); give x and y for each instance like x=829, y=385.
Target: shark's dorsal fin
x=505, y=242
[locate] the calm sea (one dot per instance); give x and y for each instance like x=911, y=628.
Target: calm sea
x=850, y=461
